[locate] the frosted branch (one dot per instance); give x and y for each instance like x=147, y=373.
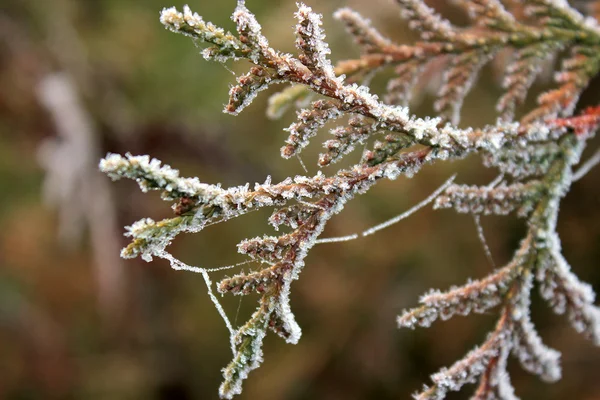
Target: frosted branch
x=536, y=154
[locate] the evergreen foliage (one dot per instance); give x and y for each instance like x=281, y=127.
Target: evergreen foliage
x=535, y=155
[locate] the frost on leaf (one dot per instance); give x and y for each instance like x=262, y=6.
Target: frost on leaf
x=310, y=41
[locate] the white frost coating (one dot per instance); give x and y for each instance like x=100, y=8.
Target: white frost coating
x=225, y=203
x=313, y=38
x=566, y=12
x=248, y=26
x=505, y=389
x=488, y=12
x=145, y=171
x=249, y=94
x=283, y=309
x=566, y=293
x=475, y=296
x=227, y=267
x=191, y=18
x=191, y=24
x=308, y=123
x=337, y=239
x=458, y=79
x=534, y=356
x=500, y=200
x=524, y=160
x=284, y=312
x=426, y=20
x=238, y=370
x=468, y=369
x=220, y=310
x=212, y=203
x=496, y=181
x=170, y=16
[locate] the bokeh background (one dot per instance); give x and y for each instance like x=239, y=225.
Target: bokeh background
x=80, y=78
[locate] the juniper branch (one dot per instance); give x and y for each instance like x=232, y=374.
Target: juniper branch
x=535, y=155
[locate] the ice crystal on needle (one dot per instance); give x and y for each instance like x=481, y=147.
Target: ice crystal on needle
x=535, y=156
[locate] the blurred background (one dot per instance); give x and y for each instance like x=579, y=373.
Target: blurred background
x=80, y=78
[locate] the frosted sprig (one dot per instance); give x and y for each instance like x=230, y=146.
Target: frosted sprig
x=150, y=175
x=535, y=156
x=468, y=369
x=491, y=14
x=498, y=200
x=399, y=89
x=310, y=40
x=358, y=130
x=425, y=20
x=527, y=345
x=495, y=382
x=495, y=28
x=478, y=296
x=511, y=285
x=308, y=124
x=226, y=45
x=525, y=66
x=573, y=77
x=249, y=355
x=248, y=87
x=458, y=81
x=365, y=35
x=250, y=33
x=560, y=14
x=566, y=294
x=522, y=161
x=313, y=69
x=514, y=333
x=284, y=255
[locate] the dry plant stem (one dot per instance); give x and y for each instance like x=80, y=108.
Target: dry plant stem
x=535, y=157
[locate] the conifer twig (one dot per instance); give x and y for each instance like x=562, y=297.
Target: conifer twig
x=535, y=156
